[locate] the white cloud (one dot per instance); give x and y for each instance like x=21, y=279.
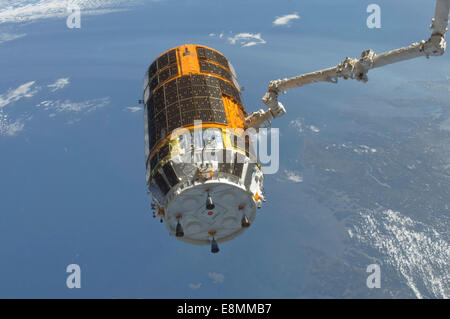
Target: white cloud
x=9, y=128
x=73, y=121
x=134, y=109
x=216, y=277
x=364, y=149
x=12, y=127
x=26, y=90
x=299, y=125
x=5, y=37
x=195, y=286
x=14, y=11
x=314, y=129
x=247, y=39
x=292, y=176
x=220, y=35
x=286, y=19
x=415, y=249
x=59, y=84
x=74, y=107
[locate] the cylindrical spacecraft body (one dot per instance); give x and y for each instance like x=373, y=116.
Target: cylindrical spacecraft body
x=197, y=148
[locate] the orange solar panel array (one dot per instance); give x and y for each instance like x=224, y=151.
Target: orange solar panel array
x=189, y=83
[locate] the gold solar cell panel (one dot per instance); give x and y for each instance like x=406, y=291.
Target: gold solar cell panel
x=211, y=80
x=154, y=83
x=185, y=92
x=171, y=98
x=235, y=94
x=171, y=93
x=173, y=109
x=198, y=79
x=220, y=117
x=152, y=70
x=164, y=75
x=214, y=92
x=222, y=72
x=161, y=124
x=173, y=70
x=151, y=107
x=222, y=60
x=152, y=141
x=210, y=54
x=171, y=87
x=216, y=104
x=173, y=122
x=202, y=103
x=159, y=107
x=151, y=121
x=163, y=61
x=173, y=117
x=204, y=67
x=187, y=118
x=157, y=134
x=206, y=115
x=201, y=52
x=159, y=100
x=198, y=90
x=158, y=131
x=223, y=84
x=182, y=100
x=172, y=55
x=161, y=119
x=227, y=89
x=183, y=81
x=207, y=67
x=151, y=133
x=186, y=105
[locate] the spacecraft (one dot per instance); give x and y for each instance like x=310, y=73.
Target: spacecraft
x=202, y=171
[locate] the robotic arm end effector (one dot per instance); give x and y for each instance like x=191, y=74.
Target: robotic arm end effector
x=270, y=99
x=263, y=118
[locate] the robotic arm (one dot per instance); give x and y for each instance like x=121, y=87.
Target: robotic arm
x=356, y=69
